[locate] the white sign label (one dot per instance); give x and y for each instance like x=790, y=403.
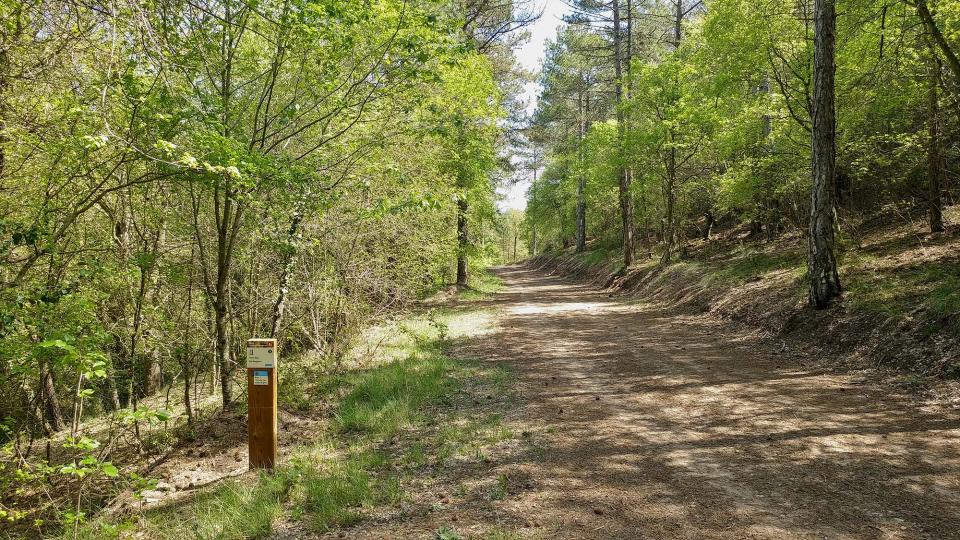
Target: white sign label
x=261, y=353
x=260, y=378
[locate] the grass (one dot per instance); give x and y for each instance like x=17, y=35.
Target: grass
x=233, y=510
x=500, y=489
x=387, y=399
x=753, y=263
x=899, y=291
x=351, y=466
x=600, y=255
x=482, y=286
x=447, y=533
x=468, y=438
x=333, y=497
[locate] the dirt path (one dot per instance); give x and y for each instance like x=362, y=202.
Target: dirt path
x=668, y=426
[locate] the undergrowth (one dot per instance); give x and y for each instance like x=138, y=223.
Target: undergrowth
x=482, y=285
x=350, y=467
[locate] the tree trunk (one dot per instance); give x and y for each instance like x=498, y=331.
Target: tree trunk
x=582, y=182
x=221, y=303
x=113, y=397
x=4, y=66
x=678, y=24
x=279, y=306
x=54, y=414
x=923, y=11
x=227, y=211
x=936, y=166
x=708, y=229
x=821, y=261
x=185, y=356
x=463, y=240
x=670, y=196
x=152, y=374
x=626, y=203
x=581, y=216
x=187, y=376
x=669, y=232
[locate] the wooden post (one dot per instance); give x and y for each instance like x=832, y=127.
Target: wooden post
x=262, y=402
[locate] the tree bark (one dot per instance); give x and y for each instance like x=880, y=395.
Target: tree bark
x=582, y=181
x=923, y=11
x=279, y=306
x=711, y=220
x=228, y=212
x=936, y=166
x=152, y=373
x=186, y=358
x=226, y=235
x=54, y=414
x=678, y=24
x=821, y=260
x=187, y=381
x=626, y=203
x=463, y=239
x=670, y=196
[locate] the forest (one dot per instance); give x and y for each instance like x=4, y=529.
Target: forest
x=177, y=176
x=702, y=112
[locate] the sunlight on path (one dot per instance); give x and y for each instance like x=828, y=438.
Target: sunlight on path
x=675, y=426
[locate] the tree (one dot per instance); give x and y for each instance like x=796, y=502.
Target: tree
x=936, y=165
x=821, y=259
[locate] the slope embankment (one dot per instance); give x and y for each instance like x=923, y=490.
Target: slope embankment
x=901, y=306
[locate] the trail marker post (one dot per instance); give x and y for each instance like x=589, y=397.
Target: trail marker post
x=262, y=402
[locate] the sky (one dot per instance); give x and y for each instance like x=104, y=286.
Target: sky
x=530, y=56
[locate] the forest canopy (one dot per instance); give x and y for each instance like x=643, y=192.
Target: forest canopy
x=178, y=176
x=661, y=119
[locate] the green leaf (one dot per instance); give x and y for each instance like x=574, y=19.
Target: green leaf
x=109, y=469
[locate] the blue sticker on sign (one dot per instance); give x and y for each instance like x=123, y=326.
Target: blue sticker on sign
x=260, y=378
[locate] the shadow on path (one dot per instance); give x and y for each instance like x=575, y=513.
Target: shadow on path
x=664, y=426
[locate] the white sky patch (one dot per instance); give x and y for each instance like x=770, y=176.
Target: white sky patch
x=530, y=56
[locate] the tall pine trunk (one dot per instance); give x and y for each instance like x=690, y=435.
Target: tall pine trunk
x=626, y=203
x=670, y=183
x=821, y=260
x=582, y=181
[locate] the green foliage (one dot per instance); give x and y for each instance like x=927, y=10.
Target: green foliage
x=446, y=533
x=165, y=194
x=336, y=479
x=897, y=291
x=716, y=129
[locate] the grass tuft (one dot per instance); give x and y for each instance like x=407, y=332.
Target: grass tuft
x=235, y=509
x=332, y=498
x=388, y=398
